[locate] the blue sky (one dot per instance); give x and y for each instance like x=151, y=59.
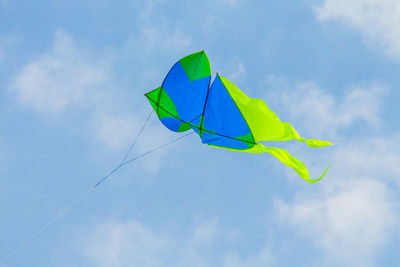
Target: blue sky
x=72, y=79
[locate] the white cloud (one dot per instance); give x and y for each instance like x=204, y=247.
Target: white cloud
x=133, y=244
x=4, y=2
x=320, y=114
x=156, y=33
x=323, y=114
x=2, y=154
x=213, y=19
x=352, y=213
x=377, y=20
x=70, y=81
x=125, y=244
x=77, y=83
x=238, y=73
x=115, y=131
x=374, y=157
x=350, y=221
x=229, y=3
x=160, y=37
x=67, y=80
x=205, y=231
x=62, y=77
x=261, y=259
x=6, y=41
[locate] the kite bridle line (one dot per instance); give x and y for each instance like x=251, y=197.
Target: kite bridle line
x=127, y=153
x=85, y=194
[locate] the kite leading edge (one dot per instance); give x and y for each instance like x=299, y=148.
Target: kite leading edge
x=221, y=114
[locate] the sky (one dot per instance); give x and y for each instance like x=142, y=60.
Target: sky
x=72, y=79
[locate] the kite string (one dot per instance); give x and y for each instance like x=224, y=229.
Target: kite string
x=126, y=154
x=85, y=194
x=81, y=197
x=137, y=137
x=156, y=148
x=44, y=227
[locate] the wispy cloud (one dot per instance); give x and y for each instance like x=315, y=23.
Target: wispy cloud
x=260, y=259
x=60, y=78
x=115, y=130
x=5, y=42
x=352, y=213
x=321, y=113
x=205, y=230
x=133, y=243
x=213, y=17
x=126, y=243
x=378, y=21
x=370, y=157
x=156, y=33
x=79, y=82
x=2, y=153
x=228, y=3
x=350, y=221
x=123, y=244
x=69, y=81
x=4, y=2
x=238, y=73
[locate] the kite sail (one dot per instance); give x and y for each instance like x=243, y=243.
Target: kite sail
x=221, y=114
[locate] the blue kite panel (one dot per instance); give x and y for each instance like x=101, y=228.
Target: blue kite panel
x=223, y=117
x=171, y=123
x=188, y=97
x=217, y=140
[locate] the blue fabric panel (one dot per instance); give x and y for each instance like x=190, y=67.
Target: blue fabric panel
x=171, y=123
x=196, y=121
x=188, y=97
x=222, y=116
x=217, y=140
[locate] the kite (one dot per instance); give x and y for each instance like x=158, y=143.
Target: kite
x=221, y=114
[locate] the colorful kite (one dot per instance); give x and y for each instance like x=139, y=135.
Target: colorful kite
x=221, y=114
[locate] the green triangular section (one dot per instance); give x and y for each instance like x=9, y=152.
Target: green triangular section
x=167, y=105
x=159, y=98
x=196, y=65
x=248, y=139
x=154, y=105
x=184, y=127
x=153, y=95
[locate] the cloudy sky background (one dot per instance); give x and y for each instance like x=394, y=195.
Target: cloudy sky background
x=72, y=79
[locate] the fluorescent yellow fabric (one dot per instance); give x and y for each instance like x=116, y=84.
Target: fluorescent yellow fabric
x=263, y=122
x=293, y=163
x=265, y=125
x=285, y=157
